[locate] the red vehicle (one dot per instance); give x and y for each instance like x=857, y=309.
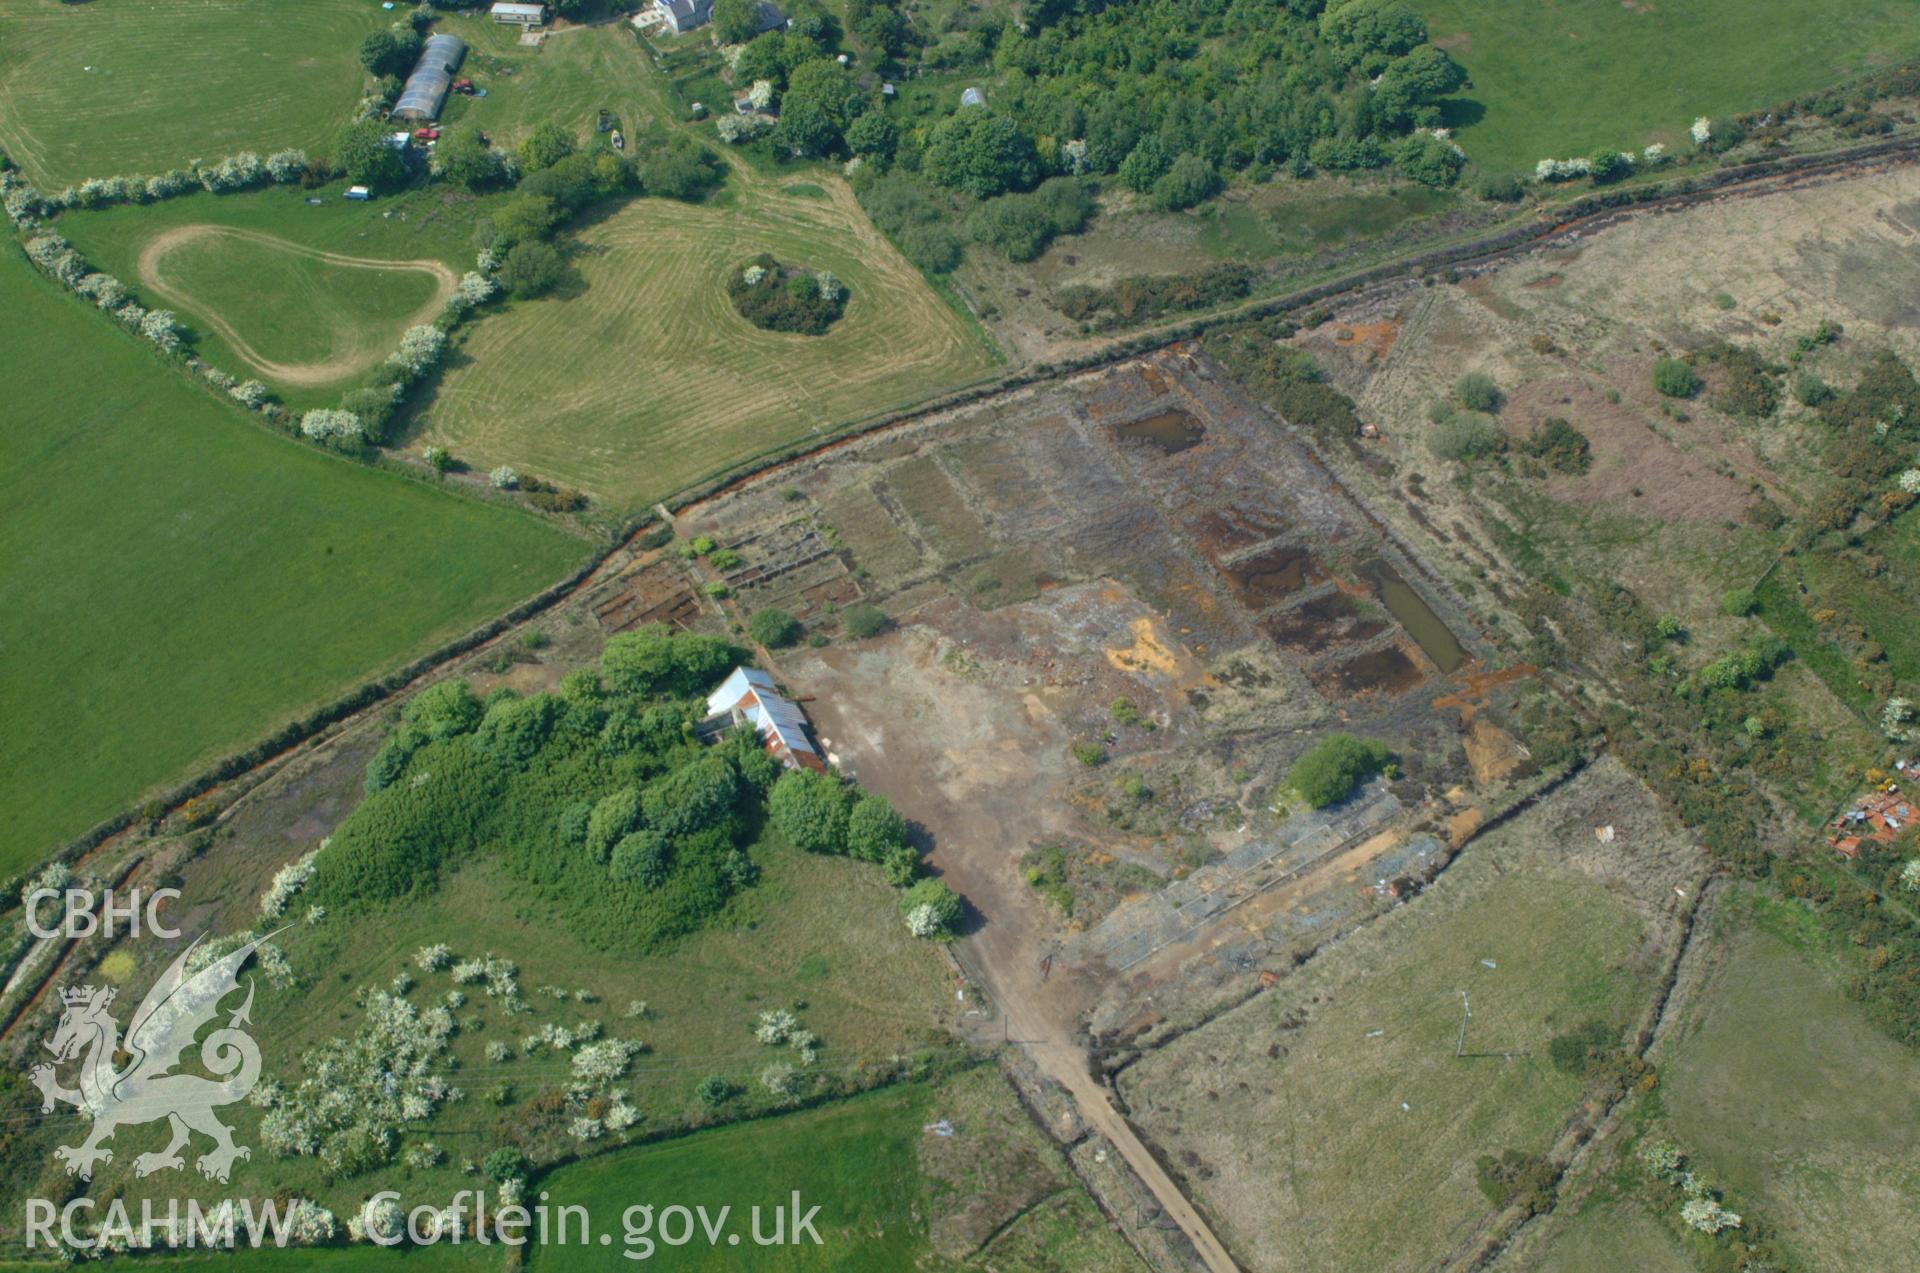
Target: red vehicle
x=463, y=86
x=426, y=134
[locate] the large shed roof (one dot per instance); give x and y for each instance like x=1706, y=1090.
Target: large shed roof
x=432, y=76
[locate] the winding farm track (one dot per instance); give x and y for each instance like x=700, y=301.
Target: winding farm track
x=362, y=353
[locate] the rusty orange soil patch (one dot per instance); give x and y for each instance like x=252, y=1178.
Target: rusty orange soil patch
x=1462, y=825
x=1376, y=338
x=1492, y=752
x=1473, y=688
x=1152, y=651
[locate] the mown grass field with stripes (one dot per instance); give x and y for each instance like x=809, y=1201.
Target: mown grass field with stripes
x=644, y=380
x=121, y=86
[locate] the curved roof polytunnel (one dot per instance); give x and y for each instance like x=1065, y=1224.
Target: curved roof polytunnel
x=426, y=89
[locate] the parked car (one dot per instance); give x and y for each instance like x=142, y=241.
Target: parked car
x=426, y=134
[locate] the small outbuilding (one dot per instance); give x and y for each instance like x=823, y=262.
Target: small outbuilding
x=426, y=88
x=973, y=97
x=748, y=697
x=524, y=15
x=684, y=15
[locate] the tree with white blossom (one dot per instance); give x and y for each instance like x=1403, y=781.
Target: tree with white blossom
x=159, y=327
x=327, y=424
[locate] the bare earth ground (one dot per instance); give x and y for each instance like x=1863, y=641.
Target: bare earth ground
x=1140, y=534
x=364, y=352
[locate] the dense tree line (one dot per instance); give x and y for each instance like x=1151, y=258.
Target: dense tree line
x=1167, y=98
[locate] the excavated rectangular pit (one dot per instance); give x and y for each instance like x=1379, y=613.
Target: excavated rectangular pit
x=1269, y=578
x=1313, y=626
x=1171, y=431
x=1389, y=669
x=1217, y=533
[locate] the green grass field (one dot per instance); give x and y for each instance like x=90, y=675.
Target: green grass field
x=855, y=1160
x=122, y=86
x=647, y=381
x=303, y=296
x=1781, y=1088
x=182, y=581
x=1567, y=79
x=892, y=1196
x=315, y=318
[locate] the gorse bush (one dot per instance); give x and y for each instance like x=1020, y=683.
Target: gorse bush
x=1477, y=391
x=1467, y=435
x=774, y=628
x=1338, y=763
x=1674, y=378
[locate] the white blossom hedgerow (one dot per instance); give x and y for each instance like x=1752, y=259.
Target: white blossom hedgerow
x=324, y=424
x=475, y=287
x=286, y=885
x=1910, y=875
x=1708, y=1216
x=1561, y=169
x=308, y=1223
x=1910, y=481
x=778, y=1079
x=379, y=1220
x=504, y=478
x=1702, y=131
x=158, y=326
x=433, y=958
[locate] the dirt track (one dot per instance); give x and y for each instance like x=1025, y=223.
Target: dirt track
x=153, y=276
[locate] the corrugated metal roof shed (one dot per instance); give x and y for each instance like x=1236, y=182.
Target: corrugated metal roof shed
x=432, y=76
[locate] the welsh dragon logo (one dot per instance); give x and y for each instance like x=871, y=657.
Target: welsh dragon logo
x=146, y=1089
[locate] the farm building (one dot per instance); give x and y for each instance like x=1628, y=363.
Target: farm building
x=684, y=15
x=1877, y=817
x=426, y=89
x=748, y=697
x=526, y=15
